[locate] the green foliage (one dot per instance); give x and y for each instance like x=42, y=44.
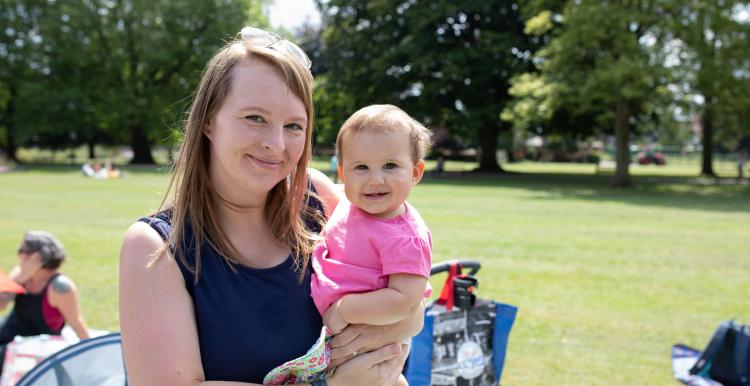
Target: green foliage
x=592, y=64
x=539, y=24
x=447, y=63
x=596, y=73
x=713, y=58
x=534, y=101
x=123, y=72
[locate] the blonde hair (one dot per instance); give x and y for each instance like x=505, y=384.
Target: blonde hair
x=386, y=119
x=194, y=198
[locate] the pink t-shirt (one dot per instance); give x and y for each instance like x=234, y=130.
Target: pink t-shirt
x=361, y=250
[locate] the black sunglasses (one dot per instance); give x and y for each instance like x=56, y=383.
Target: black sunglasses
x=22, y=250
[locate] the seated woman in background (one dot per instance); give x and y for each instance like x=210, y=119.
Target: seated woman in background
x=51, y=298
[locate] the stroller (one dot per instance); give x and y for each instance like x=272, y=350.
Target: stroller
x=464, y=338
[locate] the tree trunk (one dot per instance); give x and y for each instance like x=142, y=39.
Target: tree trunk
x=140, y=145
x=10, y=140
x=488, y=148
x=622, y=136
x=92, y=150
x=707, y=140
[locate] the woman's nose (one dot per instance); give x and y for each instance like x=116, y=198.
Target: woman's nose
x=274, y=139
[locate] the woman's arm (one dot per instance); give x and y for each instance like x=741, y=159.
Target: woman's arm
x=159, y=336
x=63, y=295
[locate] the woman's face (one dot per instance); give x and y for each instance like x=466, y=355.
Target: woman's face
x=258, y=135
x=24, y=252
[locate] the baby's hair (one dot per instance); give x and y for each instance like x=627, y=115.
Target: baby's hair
x=386, y=119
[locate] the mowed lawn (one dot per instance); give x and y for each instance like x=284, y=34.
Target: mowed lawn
x=605, y=280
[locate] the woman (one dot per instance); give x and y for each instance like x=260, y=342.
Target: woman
x=227, y=296
x=51, y=298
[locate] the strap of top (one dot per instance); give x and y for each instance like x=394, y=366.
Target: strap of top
x=162, y=224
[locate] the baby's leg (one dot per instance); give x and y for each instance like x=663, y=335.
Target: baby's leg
x=401, y=381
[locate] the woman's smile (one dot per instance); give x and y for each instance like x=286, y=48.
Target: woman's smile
x=266, y=163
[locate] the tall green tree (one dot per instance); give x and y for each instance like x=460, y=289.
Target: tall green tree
x=118, y=71
x=604, y=69
x=713, y=52
x=20, y=62
x=148, y=55
x=447, y=63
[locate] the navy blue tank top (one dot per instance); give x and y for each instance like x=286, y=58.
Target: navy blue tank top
x=249, y=320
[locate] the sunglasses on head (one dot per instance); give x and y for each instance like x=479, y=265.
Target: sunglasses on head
x=267, y=39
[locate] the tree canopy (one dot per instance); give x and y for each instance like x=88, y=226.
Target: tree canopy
x=446, y=63
x=117, y=71
x=629, y=71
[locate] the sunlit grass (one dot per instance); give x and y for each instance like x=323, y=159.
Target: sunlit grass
x=606, y=280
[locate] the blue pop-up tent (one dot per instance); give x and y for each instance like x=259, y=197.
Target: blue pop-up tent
x=91, y=362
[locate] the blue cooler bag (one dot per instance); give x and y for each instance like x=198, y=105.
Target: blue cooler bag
x=464, y=339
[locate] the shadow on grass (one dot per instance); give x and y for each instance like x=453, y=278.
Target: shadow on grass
x=696, y=193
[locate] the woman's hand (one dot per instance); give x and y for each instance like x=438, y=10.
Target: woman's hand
x=377, y=368
x=29, y=265
x=362, y=338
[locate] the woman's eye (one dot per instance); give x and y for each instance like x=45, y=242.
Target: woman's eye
x=255, y=118
x=295, y=127
x=390, y=165
x=360, y=167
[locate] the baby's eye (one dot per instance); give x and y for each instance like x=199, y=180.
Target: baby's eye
x=295, y=127
x=390, y=165
x=255, y=118
x=360, y=167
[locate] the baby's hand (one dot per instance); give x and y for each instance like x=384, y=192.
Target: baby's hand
x=333, y=320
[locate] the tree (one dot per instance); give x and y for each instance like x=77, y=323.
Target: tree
x=19, y=61
x=711, y=45
x=447, y=63
x=121, y=71
x=604, y=69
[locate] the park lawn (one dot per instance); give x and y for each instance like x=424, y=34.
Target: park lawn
x=605, y=280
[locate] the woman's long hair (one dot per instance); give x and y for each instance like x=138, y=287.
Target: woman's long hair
x=194, y=200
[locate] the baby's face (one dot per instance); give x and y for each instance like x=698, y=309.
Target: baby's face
x=378, y=171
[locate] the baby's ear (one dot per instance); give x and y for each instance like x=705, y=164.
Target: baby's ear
x=340, y=172
x=417, y=172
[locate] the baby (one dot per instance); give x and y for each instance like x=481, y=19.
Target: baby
x=375, y=262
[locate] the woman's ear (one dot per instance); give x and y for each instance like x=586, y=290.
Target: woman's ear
x=417, y=172
x=207, y=130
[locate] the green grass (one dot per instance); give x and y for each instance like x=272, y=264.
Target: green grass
x=605, y=280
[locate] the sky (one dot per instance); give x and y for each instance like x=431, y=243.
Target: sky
x=291, y=14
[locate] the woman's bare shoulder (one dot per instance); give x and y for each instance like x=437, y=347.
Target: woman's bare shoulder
x=329, y=192
x=140, y=245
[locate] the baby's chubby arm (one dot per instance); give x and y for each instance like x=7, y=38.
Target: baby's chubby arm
x=381, y=307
